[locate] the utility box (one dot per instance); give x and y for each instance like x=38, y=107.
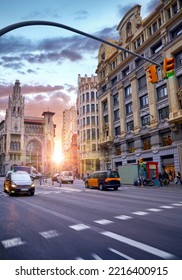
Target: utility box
x=128, y=173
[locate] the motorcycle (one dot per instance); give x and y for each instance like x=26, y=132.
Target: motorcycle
x=144, y=182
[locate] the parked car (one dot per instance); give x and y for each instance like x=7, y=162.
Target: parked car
x=66, y=177
x=55, y=177
x=18, y=182
x=103, y=180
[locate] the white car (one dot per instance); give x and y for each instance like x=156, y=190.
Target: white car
x=66, y=177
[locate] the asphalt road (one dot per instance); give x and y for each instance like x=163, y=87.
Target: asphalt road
x=71, y=222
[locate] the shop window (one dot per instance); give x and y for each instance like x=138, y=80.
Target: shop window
x=131, y=148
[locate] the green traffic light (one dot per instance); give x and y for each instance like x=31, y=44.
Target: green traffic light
x=169, y=74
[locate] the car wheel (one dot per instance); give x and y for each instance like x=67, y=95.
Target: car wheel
x=115, y=188
x=101, y=187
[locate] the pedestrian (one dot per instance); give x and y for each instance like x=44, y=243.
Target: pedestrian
x=160, y=178
x=165, y=178
x=178, y=178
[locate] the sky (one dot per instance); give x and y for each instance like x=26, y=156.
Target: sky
x=47, y=60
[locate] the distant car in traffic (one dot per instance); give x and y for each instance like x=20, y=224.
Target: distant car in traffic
x=66, y=177
x=18, y=182
x=55, y=177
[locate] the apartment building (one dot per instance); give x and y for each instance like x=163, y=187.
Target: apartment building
x=87, y=124
x=138, y=119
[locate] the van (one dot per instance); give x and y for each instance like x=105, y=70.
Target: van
x=104, y=180
x=29, y=169
x=66, y=177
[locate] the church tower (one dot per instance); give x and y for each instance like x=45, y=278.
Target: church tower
x=15, y=126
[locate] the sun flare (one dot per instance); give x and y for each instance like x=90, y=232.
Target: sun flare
x=58, y=154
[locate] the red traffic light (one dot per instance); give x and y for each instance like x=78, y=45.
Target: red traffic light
x=152, y=74
x=168, y=67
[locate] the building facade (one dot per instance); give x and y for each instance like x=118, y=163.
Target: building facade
x=25, y=140
x=87, y=123
x=138, y=119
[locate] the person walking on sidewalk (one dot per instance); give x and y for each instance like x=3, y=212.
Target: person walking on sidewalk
x=179, y=178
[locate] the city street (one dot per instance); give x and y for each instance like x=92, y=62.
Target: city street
x=71, y=222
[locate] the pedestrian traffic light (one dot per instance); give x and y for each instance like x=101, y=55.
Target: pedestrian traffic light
x=152, y=74
x=168, y=67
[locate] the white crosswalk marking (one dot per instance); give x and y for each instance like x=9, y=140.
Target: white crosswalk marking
x=79, y=227
x=154, y=209
x=120, y=254
x=12, y=242
x=49, y=234
x=140, y=213
x=103, y=222
x=123, y=217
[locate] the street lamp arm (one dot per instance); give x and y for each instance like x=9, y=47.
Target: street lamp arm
x=50, y=23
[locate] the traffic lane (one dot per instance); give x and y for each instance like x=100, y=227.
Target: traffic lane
x=88, y=205
x=54, y=236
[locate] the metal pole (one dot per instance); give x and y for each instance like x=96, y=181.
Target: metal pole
x=42, y=22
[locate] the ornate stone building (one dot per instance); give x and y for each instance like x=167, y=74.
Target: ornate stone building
x=25, y=140
x=138, y=119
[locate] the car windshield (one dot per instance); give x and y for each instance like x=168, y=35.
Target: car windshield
x=114, y=174
x=67, y=174
x=20, y=176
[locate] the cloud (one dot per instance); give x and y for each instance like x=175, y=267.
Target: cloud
x=80, y=15
x=152, y=5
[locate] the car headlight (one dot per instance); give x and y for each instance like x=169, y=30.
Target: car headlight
x=13, y=185
x=32, y=185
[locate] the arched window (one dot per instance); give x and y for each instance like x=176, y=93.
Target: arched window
x=128, y=29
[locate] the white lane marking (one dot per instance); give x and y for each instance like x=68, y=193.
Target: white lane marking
x=12, y=242
x=78, y=258
x=103, y=222
x=96, y=257
x=176, y=204
x=79, y=227
x=139, y=245
x=123, y=217
x=49, y=234
x=120, y=254
x=166, y=207
x=140, y=213
x=70, y=189
x=154, y=209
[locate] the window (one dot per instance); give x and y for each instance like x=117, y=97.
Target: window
x=178, y=59
x=179, y=79
x=103, y=88
x=146, y=143
x=145, y=120
x=130, y=126
x=154, y=27
x=139, y=62
x=87, y=96
x=83, y=97
x=83, y=109
x=161, y=92
x=125, y=72
x=131, y=148
x=166, y=139
x=93, y=134
x=129, y=108
x=117, y=130
x=92, y=95
x=157, y=47
x=113, y=81
x=127, y=91
x=92, y=107
x=93, y=147
x=175, y=9
x=87, y=108
x=105, y=106
x=88, y=134
x=142, y=82
x=144, y=101
x=118, y=150
x=116, y=115
x=106, y=119
x=176, y=31
x=88, y=120
x=150, y=31
x=93, y=120
x=116, y=99
x=164, y=113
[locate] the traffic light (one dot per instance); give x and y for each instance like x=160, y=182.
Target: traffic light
x=140, y=161
x=152, y=74
x=168, y=67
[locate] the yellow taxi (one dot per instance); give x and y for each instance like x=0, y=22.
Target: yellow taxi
x=104, y=180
